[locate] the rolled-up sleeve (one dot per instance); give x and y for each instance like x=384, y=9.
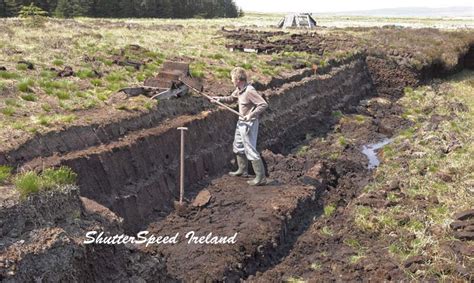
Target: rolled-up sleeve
x=229, y=98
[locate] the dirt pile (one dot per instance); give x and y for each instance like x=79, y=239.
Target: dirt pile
x=42, y=239
x=272, y=42
x=415, y=49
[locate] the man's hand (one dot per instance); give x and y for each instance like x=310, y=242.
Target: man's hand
x=247, y=117
x=214, y=100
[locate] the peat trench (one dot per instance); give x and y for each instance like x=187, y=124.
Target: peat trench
x=136, y=176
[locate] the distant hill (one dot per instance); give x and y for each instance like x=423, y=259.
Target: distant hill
x=466, y=11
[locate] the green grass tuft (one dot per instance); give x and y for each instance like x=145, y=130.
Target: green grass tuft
x=8, y=111
x=11, y=102
x=58, y=62
x=45, y=120
x=57, y=177
x=21, y=67
x=25, y=85
x=8, y=75
x=29, y=97
x=329, y=210
x=85, y=74
x=62, y=94
x=5, y=173
x=32, y=182
x=28, y=183
x=337, y=114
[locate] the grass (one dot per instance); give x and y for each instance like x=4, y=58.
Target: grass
x=25, y=85
x=62, y=95
x=362, y=218
x=326, y=231
x=49, y=120
x=29, y=97
x=342, y=141
x=302, y=151
x=329, y=210
x=315, y=266
x=31, y=182
x=28, y=183
x=337, y=114
x=294, y=280
x=86, y=73
x=46, y=107
x=12, y=102
x=45, y=120
x=8, y=111
x=56, y=177
x=21, y=67
x=8, y=75
x=99, y=41
x=58, y=62
x=432, y=171
x=5, y=173
x=354, y=259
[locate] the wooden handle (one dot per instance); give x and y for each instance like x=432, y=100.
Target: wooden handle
x=211, y=98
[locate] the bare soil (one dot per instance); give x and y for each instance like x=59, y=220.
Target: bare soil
x=129, y=169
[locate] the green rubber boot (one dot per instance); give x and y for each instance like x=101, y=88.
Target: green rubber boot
x=259, y=169
x=242, y=162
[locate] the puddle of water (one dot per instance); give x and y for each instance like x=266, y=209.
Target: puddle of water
x=370, y=151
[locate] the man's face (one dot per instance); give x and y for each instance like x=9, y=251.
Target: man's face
x=235, y=82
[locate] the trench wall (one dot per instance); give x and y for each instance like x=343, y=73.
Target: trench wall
x=138, y=177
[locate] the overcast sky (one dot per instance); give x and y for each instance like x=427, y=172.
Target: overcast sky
x=341, y=5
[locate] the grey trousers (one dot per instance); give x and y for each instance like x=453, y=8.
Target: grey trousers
x=245, y=139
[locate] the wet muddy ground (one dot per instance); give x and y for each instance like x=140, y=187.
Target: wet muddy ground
x=273, y=246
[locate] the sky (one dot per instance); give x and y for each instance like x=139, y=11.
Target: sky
x=329, y=6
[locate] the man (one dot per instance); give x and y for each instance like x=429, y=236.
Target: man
x=251, y=105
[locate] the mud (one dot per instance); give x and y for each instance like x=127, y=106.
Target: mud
x=42, y=240
x=320, y=251
x=66, y=72
x=370, y=151
x=145, y=186
x=262, y=42
x=263, y=223
x=128, y=182
x=332, y=180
